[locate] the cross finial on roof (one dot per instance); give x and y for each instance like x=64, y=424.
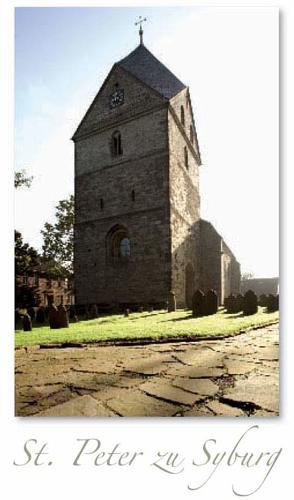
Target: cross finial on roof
x=140, y=21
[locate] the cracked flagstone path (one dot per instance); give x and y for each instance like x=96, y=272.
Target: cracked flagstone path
x=234, y=377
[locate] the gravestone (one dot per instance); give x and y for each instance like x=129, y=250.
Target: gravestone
x=262, y=300
x=93, y=311
x=62, y=316
x=171, y=305
x=32, y=313
x=26, y=323
x=250, y=303
x=141, y=309
x=272, y=303
x=231, y=304
x=17, y=316
x=198, y=304
x=239, y=303
x=127, y=313
x=46, y=312
x=211, y=302
x=40, y=316
x=72, y=311
x=53, y=317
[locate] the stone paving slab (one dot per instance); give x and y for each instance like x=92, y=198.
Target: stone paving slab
x=138, y=404
x=199, y=357
x=257, y=391
x=223, y=410
x=239, y=367
x=164, y=390
x=204, y=387
x=179, y=370
x=84, y=406
x=232, y=377
x=148, y=366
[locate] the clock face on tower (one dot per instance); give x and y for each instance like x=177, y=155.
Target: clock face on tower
x=116, y=98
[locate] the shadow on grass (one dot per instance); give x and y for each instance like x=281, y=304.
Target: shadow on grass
x=145, y=315
x=188, y=318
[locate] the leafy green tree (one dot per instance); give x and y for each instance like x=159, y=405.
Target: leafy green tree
x=58, y=238
x=27, y=262
x=26, y=257
x=22, y=179
x=247, y=276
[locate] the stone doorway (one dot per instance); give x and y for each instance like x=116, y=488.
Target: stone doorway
x=189, y=285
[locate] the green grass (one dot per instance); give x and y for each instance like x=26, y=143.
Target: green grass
x=155, y=325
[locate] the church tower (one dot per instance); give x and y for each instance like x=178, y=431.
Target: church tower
x=137, y=188
x=138, y=232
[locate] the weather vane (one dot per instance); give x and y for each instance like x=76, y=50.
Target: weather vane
x=140, y=21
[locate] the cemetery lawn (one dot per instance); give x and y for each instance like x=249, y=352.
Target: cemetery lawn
x=157, y=325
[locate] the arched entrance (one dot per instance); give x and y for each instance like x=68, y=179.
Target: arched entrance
x=189, y=284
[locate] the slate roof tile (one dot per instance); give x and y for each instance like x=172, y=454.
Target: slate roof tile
x=144, y=66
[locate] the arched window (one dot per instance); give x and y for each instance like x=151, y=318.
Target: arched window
x=116, y=144
x=191, y=134
x=125, y=247
x=182, y=115
x=186, y=157
x=133, y=195
x=101, y=204
x=118, y=244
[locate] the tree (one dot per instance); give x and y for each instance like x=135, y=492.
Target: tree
x=27, y=262
x=26, y=257
x=247, y=276
x=58, y=238
x=22, y=179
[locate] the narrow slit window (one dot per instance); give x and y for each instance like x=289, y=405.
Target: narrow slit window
x=182, y=115
x=186, y=159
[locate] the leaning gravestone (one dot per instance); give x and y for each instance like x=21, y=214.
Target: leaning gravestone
x=211, y=302
x=171, y=305
x=26, y=323
x=127, y=313
x=62, y=317
x=40, y=316
x=250, y=304
x=53, y=317
x=198, y=304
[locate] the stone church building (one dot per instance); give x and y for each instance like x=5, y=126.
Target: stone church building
x=138, y=231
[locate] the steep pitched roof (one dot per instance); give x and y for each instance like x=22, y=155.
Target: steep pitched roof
x=144, y=66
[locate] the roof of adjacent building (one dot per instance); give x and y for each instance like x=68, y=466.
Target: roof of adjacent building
x=144, y=66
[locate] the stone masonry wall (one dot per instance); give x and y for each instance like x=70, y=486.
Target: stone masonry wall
x=231, y=274
x=211, y=269
x=134, y=192
x=137, y=98
x=184, y=202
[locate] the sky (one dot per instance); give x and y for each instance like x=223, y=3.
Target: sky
x=229, y=59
